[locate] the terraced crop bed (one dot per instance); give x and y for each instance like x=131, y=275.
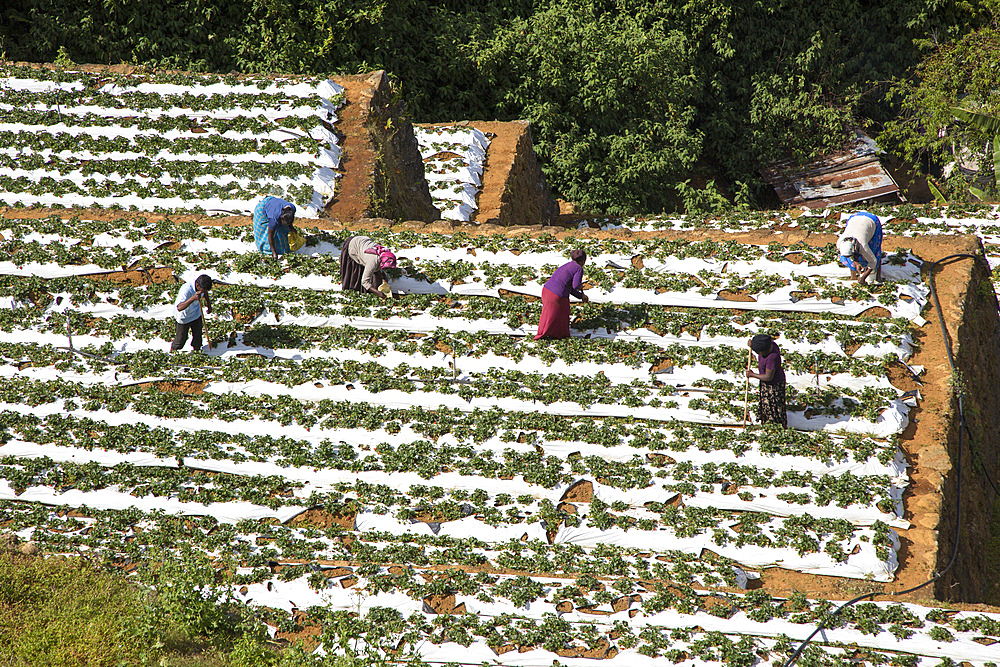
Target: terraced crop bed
x=908, y=220
x=454, y=158
x=166, y=142
x=423, y=475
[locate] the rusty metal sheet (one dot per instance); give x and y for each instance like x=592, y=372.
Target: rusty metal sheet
x=842, y=177
x=865, y=177
x=889, y=194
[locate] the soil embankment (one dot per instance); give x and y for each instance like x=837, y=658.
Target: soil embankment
x=514, y=188
x=972, y=444
x=383, y=175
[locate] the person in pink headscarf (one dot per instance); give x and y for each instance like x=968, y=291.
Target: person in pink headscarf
x=361, y=264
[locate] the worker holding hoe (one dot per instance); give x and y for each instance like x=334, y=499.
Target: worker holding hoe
x=771, y=396
x=189, y=313
x=860, y=246
x=272, y=223
x=362, y=262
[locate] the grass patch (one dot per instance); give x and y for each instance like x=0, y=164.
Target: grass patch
x=63, y=612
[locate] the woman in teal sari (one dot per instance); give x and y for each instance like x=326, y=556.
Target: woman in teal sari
x=272, y=220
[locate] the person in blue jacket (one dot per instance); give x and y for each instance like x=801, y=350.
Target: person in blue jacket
x=272, y=220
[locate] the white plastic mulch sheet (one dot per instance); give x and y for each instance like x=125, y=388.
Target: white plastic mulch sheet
x=679, y=473
x=453, y=166
x=203, y=174
x=984, y=224
x=912, y=294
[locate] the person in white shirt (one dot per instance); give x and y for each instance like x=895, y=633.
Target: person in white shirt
x=860, y=246
x=189, y=312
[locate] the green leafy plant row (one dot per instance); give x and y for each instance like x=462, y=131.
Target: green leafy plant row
x=93, y=80
x=477, y=426
x=802, y=533
x=220, y=122
x=430, y=459
x=154, y=144
x=175, y=170
x=514, y=312
x=129, y=187
x=144, y=102
x=720, y=398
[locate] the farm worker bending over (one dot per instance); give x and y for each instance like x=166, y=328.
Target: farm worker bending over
x=860, y=246
x=272, y=220
x=189, y=312
x=567, y=279
x=771, y=395
x=361, y=264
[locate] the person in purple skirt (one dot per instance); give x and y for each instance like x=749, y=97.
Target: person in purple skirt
x=567, y=280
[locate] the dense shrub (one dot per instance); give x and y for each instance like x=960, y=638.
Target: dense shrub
x=629, y=99
x=927, y=134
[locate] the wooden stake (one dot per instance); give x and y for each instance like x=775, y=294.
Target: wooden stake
x=204, y=325
x=746, y=390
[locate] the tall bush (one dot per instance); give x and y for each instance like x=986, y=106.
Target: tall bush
x=611, y=98
x=927, y=133
x=629, y=98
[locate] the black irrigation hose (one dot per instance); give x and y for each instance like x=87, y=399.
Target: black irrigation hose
x=958, y=498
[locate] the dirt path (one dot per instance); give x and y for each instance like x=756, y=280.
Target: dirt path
x=357, y=159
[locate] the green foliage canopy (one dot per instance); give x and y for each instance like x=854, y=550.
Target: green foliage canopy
x=611, y=98
x=629, y=99
x=960, y=74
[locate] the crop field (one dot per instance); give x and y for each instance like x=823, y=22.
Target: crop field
x=166, y=142
x=453, y=166
x=423, y=477
x=196, y=143
x=908, y=220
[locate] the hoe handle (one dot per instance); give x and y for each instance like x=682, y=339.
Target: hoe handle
x=204, y=325
x=746, y=390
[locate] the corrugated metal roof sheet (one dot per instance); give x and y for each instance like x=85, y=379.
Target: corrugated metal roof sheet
x=849, y=175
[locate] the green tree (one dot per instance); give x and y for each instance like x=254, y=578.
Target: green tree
x=629, y=98
x=610, y=97
x=946, y=106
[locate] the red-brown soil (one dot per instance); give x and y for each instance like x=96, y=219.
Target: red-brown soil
x=581, y=491
x=189, y=387
x=317, y=517
x=134, y=277
x=357, y=159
